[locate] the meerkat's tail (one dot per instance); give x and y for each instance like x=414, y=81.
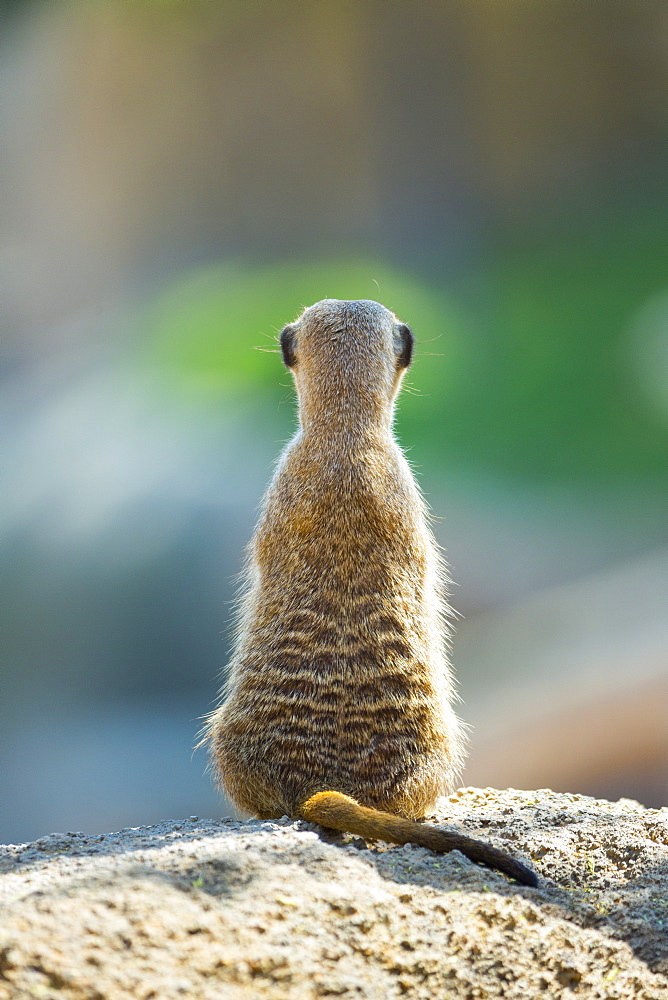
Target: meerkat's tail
x=339, y=812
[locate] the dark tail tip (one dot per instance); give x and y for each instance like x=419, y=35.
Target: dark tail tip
x=522, y=874
x=496, y=859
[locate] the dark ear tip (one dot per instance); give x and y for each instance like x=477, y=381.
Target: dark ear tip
x=288, y=346
x=406, y=340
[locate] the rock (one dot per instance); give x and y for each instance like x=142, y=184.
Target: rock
x=208, y=910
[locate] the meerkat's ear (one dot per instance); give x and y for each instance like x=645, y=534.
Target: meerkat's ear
x=288, y=344
x=403, y=344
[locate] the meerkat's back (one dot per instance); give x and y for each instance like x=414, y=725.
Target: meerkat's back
x=340, y=681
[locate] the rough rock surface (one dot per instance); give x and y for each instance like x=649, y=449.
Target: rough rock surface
x=234, y=910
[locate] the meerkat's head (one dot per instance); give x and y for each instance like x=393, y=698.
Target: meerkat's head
x=347, y=358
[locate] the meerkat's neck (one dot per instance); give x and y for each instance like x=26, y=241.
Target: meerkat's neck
x=336, y=415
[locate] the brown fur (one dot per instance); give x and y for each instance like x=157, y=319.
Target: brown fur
x=340, y=680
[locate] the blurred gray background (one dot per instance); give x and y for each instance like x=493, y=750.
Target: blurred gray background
x=180, y=179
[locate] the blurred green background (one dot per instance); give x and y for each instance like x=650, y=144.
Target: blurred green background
x=179, y=181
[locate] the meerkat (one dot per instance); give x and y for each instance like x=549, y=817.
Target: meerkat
x=338, y=703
